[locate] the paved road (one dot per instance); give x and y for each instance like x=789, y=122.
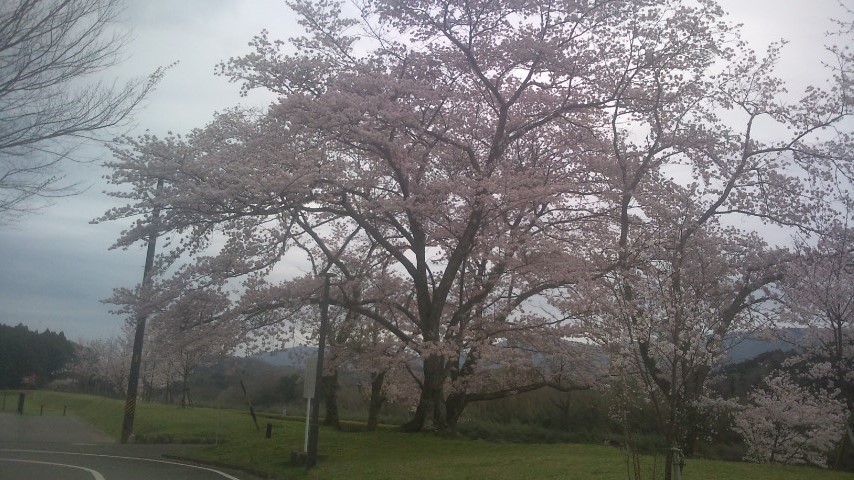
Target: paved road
x=52, y=448
x=51, y=429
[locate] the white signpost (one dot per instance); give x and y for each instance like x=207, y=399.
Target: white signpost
x=308, y=392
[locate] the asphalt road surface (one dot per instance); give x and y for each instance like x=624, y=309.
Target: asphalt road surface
x=66, y=448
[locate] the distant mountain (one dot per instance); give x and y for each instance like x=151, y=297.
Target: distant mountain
x=749, y=346
x=290, y=357
x=743, y=348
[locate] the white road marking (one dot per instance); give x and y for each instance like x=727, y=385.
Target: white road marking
x=223, y=474
x=94, y=473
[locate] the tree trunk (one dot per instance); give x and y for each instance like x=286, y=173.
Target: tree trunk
x=377, y=400
x=419, y=418
x=431, y=403
x=694, y=426
x=693, y=423
x=668, y=464
x=330, y=397
x=185, y=391
x=454, y=406
x=146, y=392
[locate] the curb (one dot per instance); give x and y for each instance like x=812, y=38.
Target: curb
x=214, y=463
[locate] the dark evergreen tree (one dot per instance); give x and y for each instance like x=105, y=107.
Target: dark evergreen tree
x=31, y=359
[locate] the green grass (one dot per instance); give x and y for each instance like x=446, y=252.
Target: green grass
x=100, y=412
x=385, y=454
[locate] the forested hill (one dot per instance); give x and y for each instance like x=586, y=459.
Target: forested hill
x=29, y=358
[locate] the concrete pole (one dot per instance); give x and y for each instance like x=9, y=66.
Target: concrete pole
x=139, y=334
x=307, y=424
x=314, y=431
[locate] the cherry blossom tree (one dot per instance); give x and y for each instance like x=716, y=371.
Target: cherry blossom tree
x=191, y=324
x=668, y=321
x=690, y=161
x=456, y=146
x=786, y=423
x=184, y=338
x=388, y=369
x=482, y=176
x=104, y=361
x=819, y=298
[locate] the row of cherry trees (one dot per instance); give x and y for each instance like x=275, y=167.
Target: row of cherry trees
x=171, y=355
x=492, y=182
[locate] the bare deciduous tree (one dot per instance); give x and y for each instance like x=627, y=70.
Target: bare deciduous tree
x=48, y=49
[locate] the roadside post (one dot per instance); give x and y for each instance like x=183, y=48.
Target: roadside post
x=308, y=393
x=308, y=390
x=678, y=463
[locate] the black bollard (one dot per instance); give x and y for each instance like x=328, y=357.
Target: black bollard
x=21, y=397
x=269, y=430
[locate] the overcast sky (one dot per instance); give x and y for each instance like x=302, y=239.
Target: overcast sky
x=55, y=267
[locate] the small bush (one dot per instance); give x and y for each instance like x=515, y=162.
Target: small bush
x=515, y=432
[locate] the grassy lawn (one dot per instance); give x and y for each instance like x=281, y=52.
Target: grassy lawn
x=385, y=454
